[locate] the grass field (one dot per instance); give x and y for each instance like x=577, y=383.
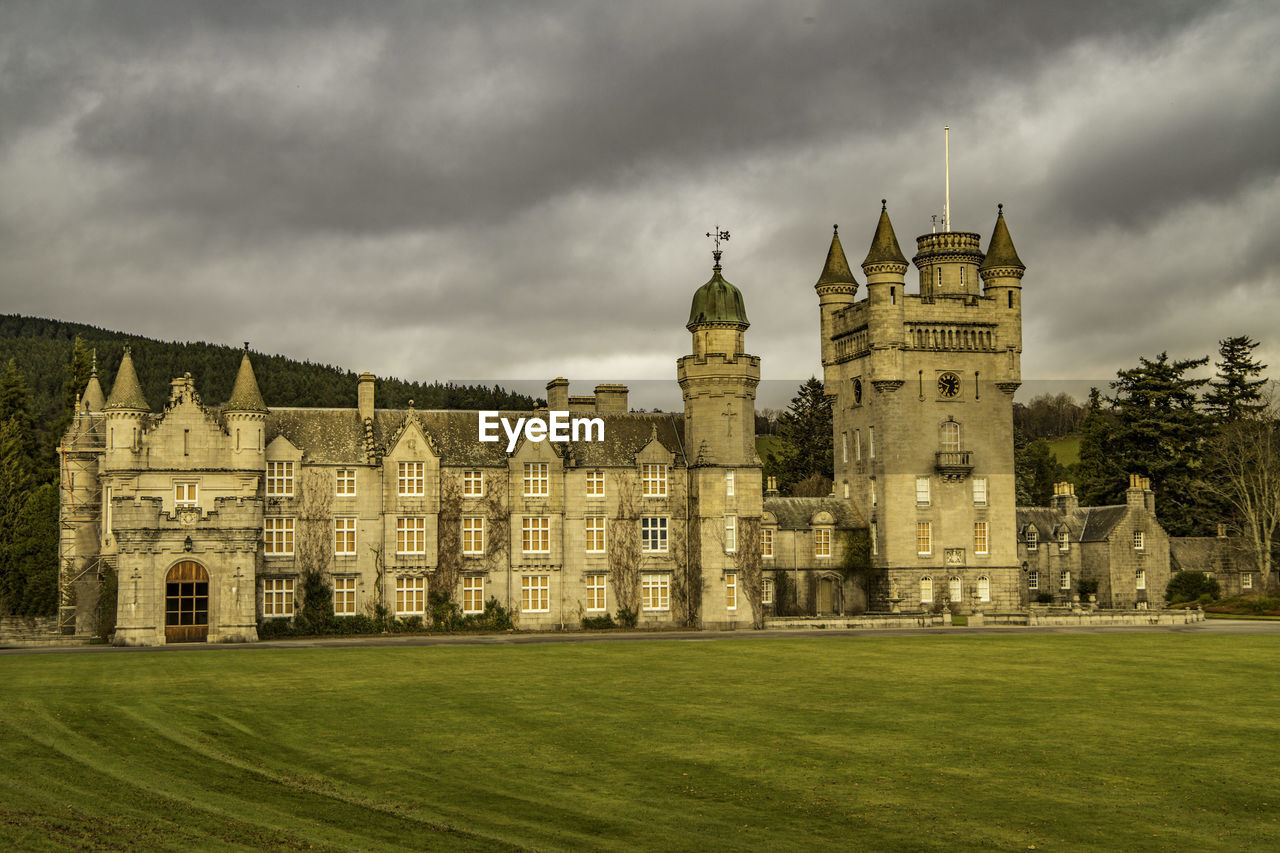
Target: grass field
x=1106, y=742
x=1066, y=449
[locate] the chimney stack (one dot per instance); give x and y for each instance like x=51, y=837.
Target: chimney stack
x=1064, y=497
x=611, y=398
x=364, y=396
x=558, y=395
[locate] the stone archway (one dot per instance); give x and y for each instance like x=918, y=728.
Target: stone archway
x=186, y=603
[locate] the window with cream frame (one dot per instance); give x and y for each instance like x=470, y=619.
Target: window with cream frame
x=277, y=537
x=344, y=596
x=1065, y=582
x=822, y=542
x=926, y=590
x=411, y=535
x=1064, y=541
x=537, y=484
x=1139, y=540
x=980, y=537
x=279, y=479
x=596, y=594
x=1140, y=579
x=984, y=589
x=594, y=525
x=1033, y=580
x=185, y=494
x=595, y=484
x=730, y=534
x=535, y=593
x=655, y=592
x=535, y=534
x=922, y=491
x=344, y=537
x=411, y=595
x=766, y=591
x=345, y=482
x=766, y=543
x=924, y=538
x=653, y=480
x=979, y=491
x=473, y=484
x=731, y=590
x=728, y=484
x=411, y=480
x=277, y=597
x=473, y=594
x=653, y=534
x=473, y=536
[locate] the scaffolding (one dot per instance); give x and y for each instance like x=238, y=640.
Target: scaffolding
x=75, y=512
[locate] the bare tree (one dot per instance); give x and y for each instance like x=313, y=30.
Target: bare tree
x=751, y=567
x=623, y=548
x=313, y=546
x=448, y=538
x=1245, y=459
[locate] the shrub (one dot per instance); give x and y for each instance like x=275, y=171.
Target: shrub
x=1086, y=589
x=1044, y=598
x=598, y=622
x=271, y=628
x=1189, y=586
x=494, y=618
x=627, y=617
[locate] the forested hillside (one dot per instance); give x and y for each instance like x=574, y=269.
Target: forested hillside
x=46, y=363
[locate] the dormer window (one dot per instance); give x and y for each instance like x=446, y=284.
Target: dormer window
x=1033, y=539
x=279, y=479
x=1064, y=541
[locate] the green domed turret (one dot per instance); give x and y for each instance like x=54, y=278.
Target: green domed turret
x=717, y=302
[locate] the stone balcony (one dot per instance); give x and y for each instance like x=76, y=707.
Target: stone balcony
x=954, y=464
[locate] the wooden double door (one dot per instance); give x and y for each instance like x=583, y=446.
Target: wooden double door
x=186, y=603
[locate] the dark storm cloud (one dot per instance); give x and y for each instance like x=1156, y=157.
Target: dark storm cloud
x=391, y=180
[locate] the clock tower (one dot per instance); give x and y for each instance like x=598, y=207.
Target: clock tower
x=922, y=387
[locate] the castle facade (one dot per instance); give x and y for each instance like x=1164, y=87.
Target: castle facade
x=210, y=518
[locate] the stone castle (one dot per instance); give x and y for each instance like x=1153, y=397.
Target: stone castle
x=208, y=516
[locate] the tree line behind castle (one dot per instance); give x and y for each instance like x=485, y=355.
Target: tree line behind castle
x=1186, y=434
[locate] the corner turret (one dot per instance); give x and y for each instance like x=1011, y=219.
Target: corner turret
x=837, y=290
x=885, y=269
x=126, y=391
x=246, y=414
x=1002, y=272
x=93, y=400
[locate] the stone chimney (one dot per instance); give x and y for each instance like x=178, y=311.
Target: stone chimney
x=1064, y=497
x=611, y=398
x=558, y=394
x=364, y=396
x=1149, y=496
x=1222, y=530
x=771, y=489
x=1135, y=495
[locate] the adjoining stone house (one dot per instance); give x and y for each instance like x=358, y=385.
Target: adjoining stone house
x=1123, y=548
x=807, y=539
x=1226, y=559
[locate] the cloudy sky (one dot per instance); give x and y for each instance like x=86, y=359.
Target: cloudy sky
x=503, y=191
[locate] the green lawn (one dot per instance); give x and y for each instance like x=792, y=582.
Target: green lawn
x=1066, y=449
x=1106, y=742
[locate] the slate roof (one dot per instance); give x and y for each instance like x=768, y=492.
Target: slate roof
x=93, y=396
x=796, y=513
x=836, y=269
x=884, y=245
x=245, y=396
x=1087, y=524
x=1000, y=251
x=335, y=436
x=126, y=391
x=1192, y=553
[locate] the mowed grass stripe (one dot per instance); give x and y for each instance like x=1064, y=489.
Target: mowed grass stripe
x=1135, y=741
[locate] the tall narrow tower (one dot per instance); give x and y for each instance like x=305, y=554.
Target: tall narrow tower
x=719, y=382
x=922, y=385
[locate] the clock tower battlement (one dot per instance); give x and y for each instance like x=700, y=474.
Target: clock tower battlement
x=922, y=387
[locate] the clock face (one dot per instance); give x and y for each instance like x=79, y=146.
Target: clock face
x=857, y=390
x=948, y=385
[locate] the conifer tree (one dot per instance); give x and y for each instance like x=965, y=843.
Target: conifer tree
x=1237, y=389
x=1098, y=478
x=1157, y=432
x=804, y=438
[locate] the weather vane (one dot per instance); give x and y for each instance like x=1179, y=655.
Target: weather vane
x=718, y=235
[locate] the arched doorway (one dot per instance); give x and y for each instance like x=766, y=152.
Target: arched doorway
x=828, y=596
x=186, y=603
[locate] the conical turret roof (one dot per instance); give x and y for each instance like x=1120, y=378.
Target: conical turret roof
x=836, y=270
x=93, y=398
x=1000, y=252
x=717, y=301
x=126, y=392
x=245, y=396
x=884, y=245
